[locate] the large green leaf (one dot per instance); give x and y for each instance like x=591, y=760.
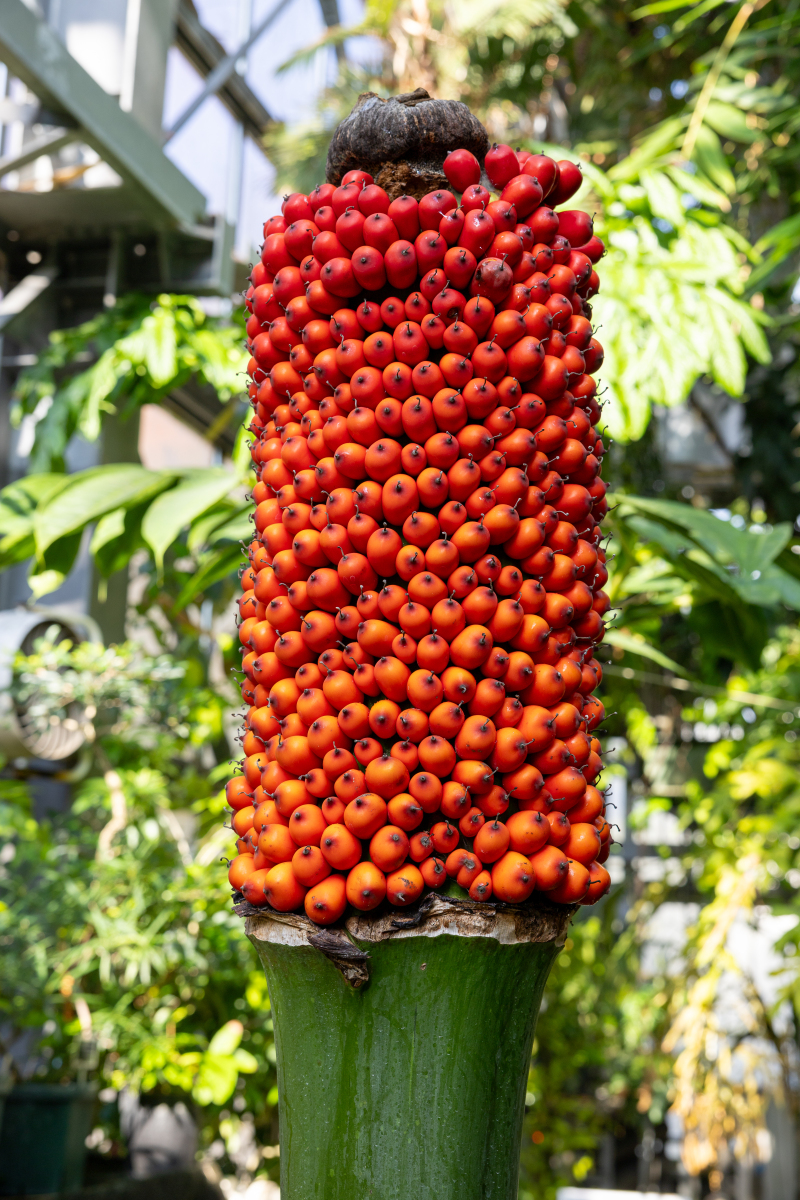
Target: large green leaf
x=93, y=493
x=730, y=122
x=18, y=504
x=178, y=507
x=122, y=540
x=750, y=551
x=638, y=645
x=238, y=529
x=55, y=564
x=217, y=565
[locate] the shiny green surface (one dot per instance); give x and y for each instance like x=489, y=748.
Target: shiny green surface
x=414, y=1087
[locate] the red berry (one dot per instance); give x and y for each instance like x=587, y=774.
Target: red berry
x=380, y=231
x=462, y=169
x=373, y=199
x=593, y=249
x=349, y=227
x=404, y=211
x=476, y=196
x=362, y=178
x=297, y=208
x=400, y=262
x=459, y=266
x=478, y=232
x=368, y=268
x=433, y=207
x=568, y=182
x=501, y=164
x=575, y=225
x=543, y=168
x=493, y=279
x=430, y=247
x=524, y=193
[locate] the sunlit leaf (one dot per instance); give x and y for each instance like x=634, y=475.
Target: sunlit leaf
x=178, y=507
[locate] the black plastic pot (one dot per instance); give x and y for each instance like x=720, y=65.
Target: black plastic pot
x=43, y=1137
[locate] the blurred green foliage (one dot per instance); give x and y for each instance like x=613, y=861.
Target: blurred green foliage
x=121, y=903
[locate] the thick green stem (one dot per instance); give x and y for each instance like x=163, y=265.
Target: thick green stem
x=413, y=1086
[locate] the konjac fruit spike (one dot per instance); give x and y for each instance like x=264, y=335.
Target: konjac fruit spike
x=425, y=588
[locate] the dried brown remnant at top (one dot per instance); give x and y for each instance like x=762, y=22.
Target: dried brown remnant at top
x=403, y=141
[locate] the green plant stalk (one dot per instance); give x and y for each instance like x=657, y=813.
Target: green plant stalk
x=414, y=1085
x=704, y=99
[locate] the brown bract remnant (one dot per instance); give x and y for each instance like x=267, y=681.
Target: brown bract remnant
x=403, y=141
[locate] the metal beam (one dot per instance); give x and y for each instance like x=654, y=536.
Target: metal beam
x=331, y=17
x=24, y=294
x=199, y=46
x=33, y=53
x=46, y=143
x=224, y=69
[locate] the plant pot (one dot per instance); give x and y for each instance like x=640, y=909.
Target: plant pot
x=412, y=1082
x=43, y=1137
x=161, y=1137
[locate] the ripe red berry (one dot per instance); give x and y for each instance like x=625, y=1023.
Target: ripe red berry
x=543, y=168
x=462, y=169
x=568, y=182
x=400, y=262
x=501, y=164
x=524, y=193
x=404, y=211
x=433, y=207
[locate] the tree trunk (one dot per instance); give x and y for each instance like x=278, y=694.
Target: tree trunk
x=413, y=1083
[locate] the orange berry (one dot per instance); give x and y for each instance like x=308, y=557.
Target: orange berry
x=389, y=847
x=425, y=690
x=387, y=776
x=583, y=843
x=549, y=867
x=476, y=739
x=599, y=883
x=276, y=844
x=427, y=790
x=455, y=801
x=281, y=888
x=405, y=812
x=365, y=815
x=412, y=724
x=309, y=866
x=445, y=837
x=407, y=753
x=574, y=885
x=528, y=831
x=437, y=755
x=239, y=870
x=350, y=785
x=475, y=775
x=366, y=886
x=333, y=810
x=383, y=718
x=494, y=802
x=404, y=886
x=446, y=719
x=513, y=878
x=326, y=901
x=340, y=848
x=252, y=886
x=338, y=760
x=481, y=887
x=432, y=870
x=306, y=825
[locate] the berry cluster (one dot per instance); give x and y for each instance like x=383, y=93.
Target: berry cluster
x=424, y=591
